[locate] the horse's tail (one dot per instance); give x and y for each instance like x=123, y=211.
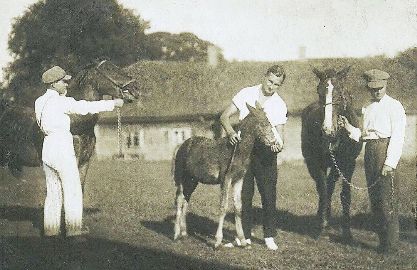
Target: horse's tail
x=178, y=169
x=174, y=160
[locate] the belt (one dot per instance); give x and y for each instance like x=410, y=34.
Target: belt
x=377, y=140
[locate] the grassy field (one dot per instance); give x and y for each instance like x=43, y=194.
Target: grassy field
x=130, y=211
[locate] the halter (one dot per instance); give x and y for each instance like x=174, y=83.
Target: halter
x=119, y=87
x=342, y=100
x=123, y=95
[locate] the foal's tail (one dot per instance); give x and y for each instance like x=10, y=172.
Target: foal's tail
x=174, y=161
x=178, y=168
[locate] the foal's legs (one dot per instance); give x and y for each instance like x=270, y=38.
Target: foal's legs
x=189, y=185
x=224, y=199
x=237, y=202
x=179, y=197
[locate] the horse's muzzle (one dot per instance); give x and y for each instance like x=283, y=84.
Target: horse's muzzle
x=329, y=132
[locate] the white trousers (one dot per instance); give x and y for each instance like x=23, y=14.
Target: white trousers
x=63, y=188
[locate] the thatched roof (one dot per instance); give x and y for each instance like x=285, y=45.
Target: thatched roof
x=178, y=89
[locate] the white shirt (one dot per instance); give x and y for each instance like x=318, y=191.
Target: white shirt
x=384, y=119
x=274, y=107
x=52, y=114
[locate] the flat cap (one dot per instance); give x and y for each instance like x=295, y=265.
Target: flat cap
x=376, y=78
x=54, y=74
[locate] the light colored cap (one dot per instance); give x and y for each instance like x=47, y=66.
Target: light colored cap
x=54, y=74
x=376, y=78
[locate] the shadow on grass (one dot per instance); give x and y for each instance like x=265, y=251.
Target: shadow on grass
x=204, y=228
x=32, y=214
x=201, y=228
x=95, y=253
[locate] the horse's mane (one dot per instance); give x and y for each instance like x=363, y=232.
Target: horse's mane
x=80, y=80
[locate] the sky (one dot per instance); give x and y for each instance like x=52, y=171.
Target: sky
x=271, y=30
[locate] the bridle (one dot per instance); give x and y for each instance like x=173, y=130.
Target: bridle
x=341, y=101
x=123, y=92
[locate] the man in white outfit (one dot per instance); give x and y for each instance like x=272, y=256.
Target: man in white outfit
x=58, y=156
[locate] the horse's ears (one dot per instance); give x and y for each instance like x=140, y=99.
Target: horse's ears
x=318, y=73
x=250, y=108
x=343, y=72
x=258, y=105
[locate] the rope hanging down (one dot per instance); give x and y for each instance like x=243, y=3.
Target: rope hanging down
x=119, y=133
x=339, y=171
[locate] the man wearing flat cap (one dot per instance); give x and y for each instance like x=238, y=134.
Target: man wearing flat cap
x=58, y=156
x=383, y=131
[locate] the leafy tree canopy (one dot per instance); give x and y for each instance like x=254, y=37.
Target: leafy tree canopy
x=178, y=47
x=408, y=58
x=70, y=33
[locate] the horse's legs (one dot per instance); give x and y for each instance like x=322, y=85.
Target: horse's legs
x=237, y=202
x=224, y=199
x=319, y=176
x=331, y=182
x=83, y=169
x=179, y=201
x=345, y=198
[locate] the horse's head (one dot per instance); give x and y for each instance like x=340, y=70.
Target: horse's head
x=103, y=79
x=257, y=124
x=333, y=98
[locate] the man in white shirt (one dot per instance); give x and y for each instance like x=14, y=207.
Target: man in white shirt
x=263, y=165
x=383, y=131
x=58, y=156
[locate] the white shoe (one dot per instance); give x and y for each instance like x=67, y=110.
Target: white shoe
x=270, y=243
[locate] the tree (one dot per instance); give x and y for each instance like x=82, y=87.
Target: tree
x=178, y=47
x=408, y=58
x=70, y=33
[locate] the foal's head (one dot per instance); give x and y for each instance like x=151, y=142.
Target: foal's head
x=256, y=124
x=333, y=97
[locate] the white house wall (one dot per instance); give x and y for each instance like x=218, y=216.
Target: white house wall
x=158, y=141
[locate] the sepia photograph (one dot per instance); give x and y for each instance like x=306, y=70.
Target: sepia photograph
x=222, y=134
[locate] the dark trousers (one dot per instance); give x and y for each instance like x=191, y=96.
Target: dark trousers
x=383, y=196
x=263, y=169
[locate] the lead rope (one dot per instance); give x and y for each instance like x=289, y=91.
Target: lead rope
x=119, y=132
x=332, y=157
x=415, y=205
x=367, y=187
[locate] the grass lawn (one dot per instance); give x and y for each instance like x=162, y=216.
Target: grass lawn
x=130, y=211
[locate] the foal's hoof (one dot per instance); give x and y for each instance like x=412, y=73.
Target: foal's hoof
x=217, y=246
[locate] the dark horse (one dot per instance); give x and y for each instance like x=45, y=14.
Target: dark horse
x=21, y=139
x=215, y=162
x=326, y=146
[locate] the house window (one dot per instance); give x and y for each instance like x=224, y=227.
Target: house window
x=128, y=140
x=136, y=139
x=180, y=135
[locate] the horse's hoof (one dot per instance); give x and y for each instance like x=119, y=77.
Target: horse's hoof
x=347, y=237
